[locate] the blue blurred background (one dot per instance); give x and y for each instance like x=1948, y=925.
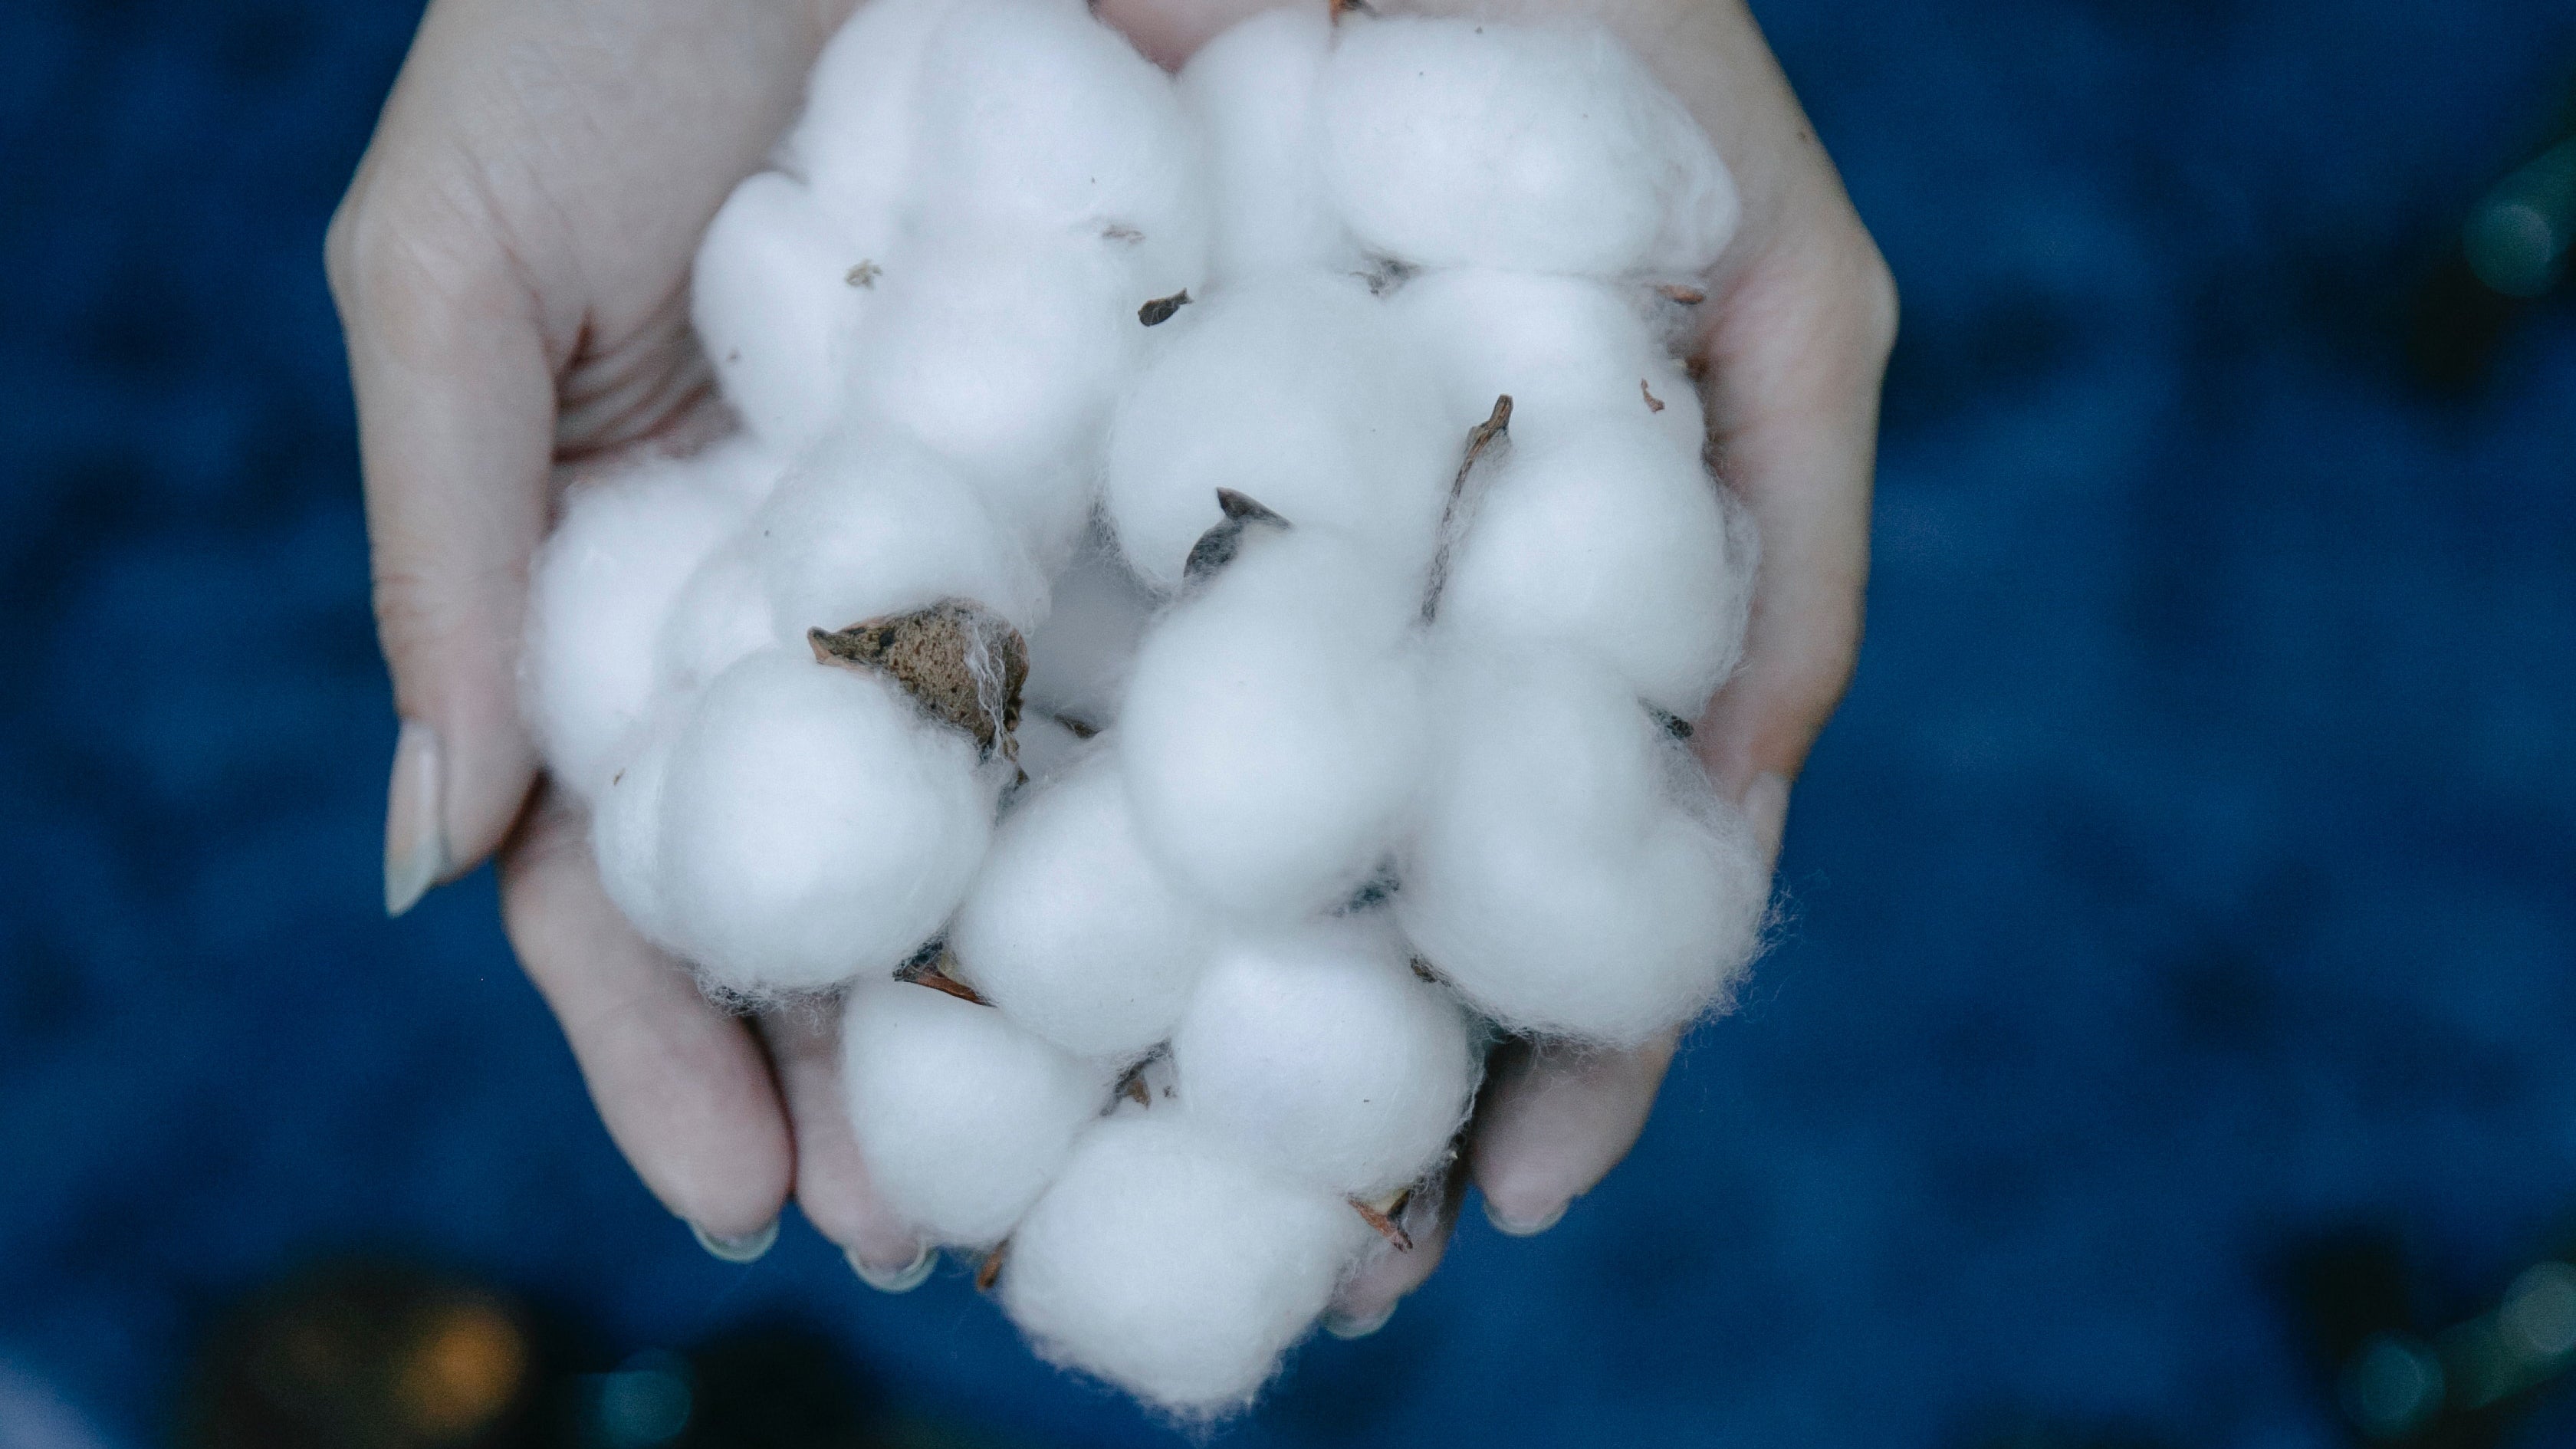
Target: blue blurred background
x=2192, y=872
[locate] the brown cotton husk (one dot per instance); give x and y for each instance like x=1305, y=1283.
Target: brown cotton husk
x=1159, y=311
x=1654, y=404
x=1382, y=1216
x=960, y=661
x=931, y=970
x=1482, y=439
x=989, y=1272
x=1217, y=547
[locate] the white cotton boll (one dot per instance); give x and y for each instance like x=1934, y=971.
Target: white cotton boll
x=1047, y=748
x=855, y=142
x=1079, y=659
x=1320, y=1051
x=1037, y=119
x=1275, y=730
x=599, y=592
x=815, y=825
x=871, y=525
x=1299, y=391
x=961, y=1116
x=1168, y=1266
x=1451, y=142
x=626, y=840
x=1574, y=874
x=1562, y=348
x=776, y=302
x=1072, y=929
x=721, y=615
x=1004, y=358
x=1252, y=91
x=1609, y=540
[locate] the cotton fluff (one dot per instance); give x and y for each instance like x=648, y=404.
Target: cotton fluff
x=599, y=593
x=1165, y=1264
x=1574, y=873
x=1275, y=729
x=1079, y=659
x=1608, y=540
x=1252, y=92
x=1037, y=119
x=626, y=838
x=961, y=1116
x=721, y=615
x=1449, y=142
x=1299, y=391
x=1323, y=1054
x=1047, y=748
x=1562, y=348
x=855, y=142
x=870, y=525
x=776, y=300
x=1004, y=358
x=815, y=825
x=1072, y=928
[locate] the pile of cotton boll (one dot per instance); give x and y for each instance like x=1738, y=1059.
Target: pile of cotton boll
x=1192, y=639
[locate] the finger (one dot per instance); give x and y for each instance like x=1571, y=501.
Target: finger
x=832, y=1184
x=456, y=425
x=683, y=1088
x=1554, y=1121
x=1169, y=32
x=1363, y=1305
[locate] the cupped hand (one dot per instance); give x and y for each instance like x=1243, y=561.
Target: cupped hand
x=512, y=264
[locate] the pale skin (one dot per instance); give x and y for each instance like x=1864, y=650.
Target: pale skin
x=511, y=266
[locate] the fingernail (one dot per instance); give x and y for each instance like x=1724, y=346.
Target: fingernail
x=1341, y=1325
x=415, y=838
x=745, y=1249
x=902, y=1280
x=1523, y=1228
x=1766, y=809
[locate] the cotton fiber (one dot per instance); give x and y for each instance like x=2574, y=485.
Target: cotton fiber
x=1320, y=1052
x=600, y=591
x=1573, y=876
x=854, y=145
x=1299, y=391
x=1606, y=540
x=1079, y=659
x=1275, y=731
x=1562, y=348
x=721, y=615
x=1253, y=91
x=870, y=525
x=626, y=837
x=1162, y=1262
x=1450, y=142
x=778, y=296
x=815, y=826
x=961, y=1116
x=1073, y=929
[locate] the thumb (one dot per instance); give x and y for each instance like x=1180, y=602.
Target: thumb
x=456, y=431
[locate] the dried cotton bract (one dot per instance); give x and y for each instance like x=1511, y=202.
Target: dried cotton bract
x=1216, y=565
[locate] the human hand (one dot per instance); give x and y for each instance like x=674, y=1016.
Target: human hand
x=1794, y=337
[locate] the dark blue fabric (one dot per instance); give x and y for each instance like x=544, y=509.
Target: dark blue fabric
x=2191, y=867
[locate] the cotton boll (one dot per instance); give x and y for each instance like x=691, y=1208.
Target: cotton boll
x=1004, y=357
x=1321, y=1052
x=1449, y=142
x=1299, y=391
x=815, y=825
x=1609, y=540
x=1170, y=1267
x=1252, y=92
x=1072, y=929
x=1080, y=657
x=1039, y=120
x=961, y=1116
x=626, y=840
x=776, y=296
x=1275, y=728
x=599, y=592
x=871, y=525
x=1046, y=747
x=1574, y=874
x=855, y=142
x=1561, y=347
x=721, y=615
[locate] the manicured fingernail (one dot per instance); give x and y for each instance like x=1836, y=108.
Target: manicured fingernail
x=900, y=1280
x=1523, y=1228
x=748, y=1248
x=415, y=837
x=1342, y=1325
x=1766, y=809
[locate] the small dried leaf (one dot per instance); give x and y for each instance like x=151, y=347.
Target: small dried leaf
x=1654, y=404
x=1687, y=296
x=1673, y=724
x=1078, y=727
x=1341, y=8
x=933, y=973
x=1422, y=969
x=1217, y=547
x=1119, y=231
x=961, y=661
x=989, y=1272
x=865, y=274
x=1385, y=1223
x=1480, y=438
x=1160, y=310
